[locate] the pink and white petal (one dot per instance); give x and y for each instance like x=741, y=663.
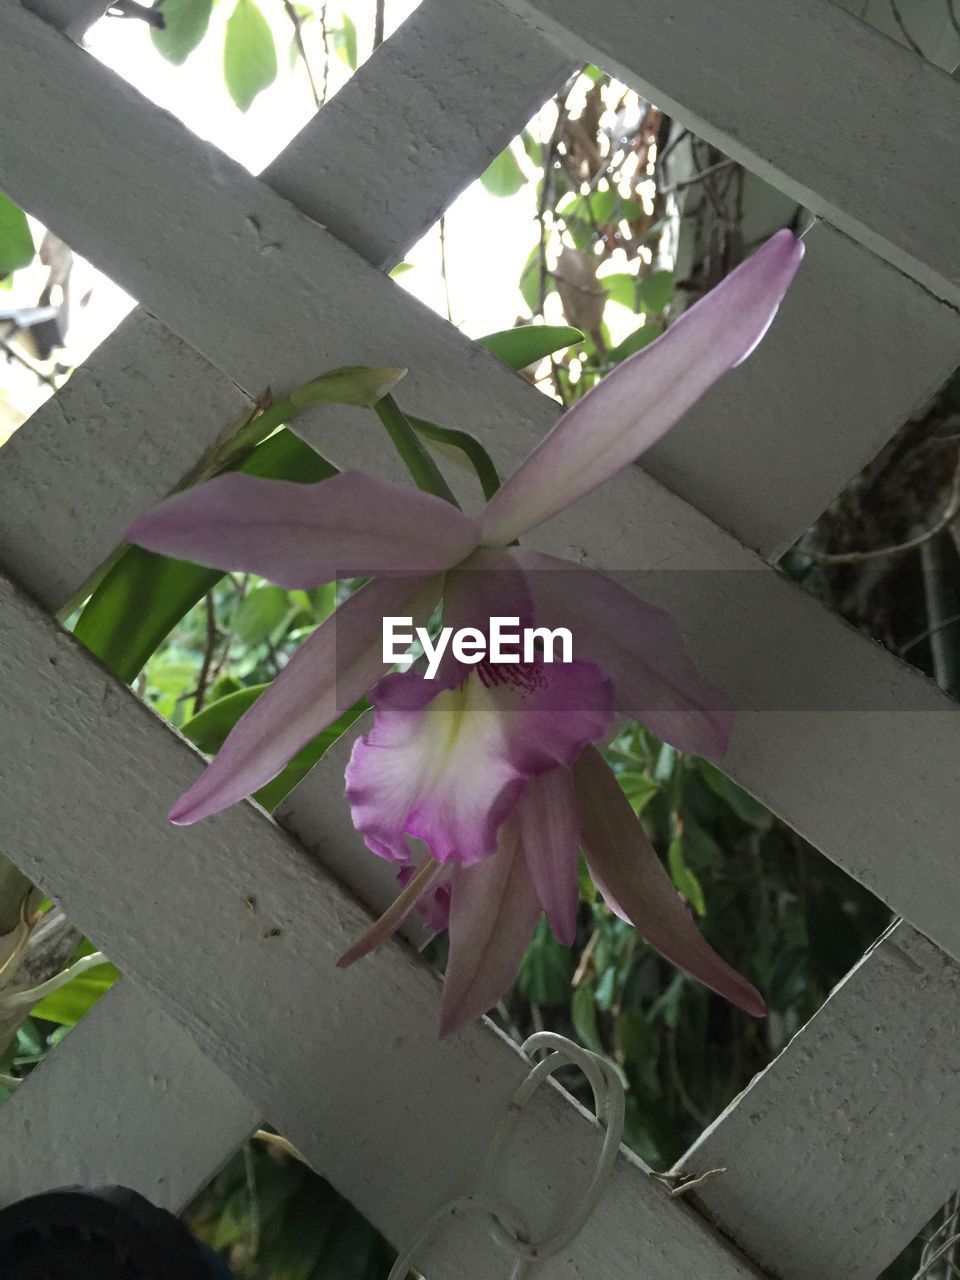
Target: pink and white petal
x=636, y=404
x=636, y=885
x=451, y=768
x=493, y=912
x=327, y=674
x=639, y=646
x=549, y=821
x=300, y=535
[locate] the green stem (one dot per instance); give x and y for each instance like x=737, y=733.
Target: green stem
x=425, y=472
x=469, y=446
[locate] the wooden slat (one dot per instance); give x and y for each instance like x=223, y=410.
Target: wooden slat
x=118, y=437
x=127, y=1098
x=741, y=76
x=816, y=738
x=73, y=17
x=420, y=120
x=234, y=930
x=765, y=454
x=849, y=1142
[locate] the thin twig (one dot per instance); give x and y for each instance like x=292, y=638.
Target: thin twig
x=378, y=24
x=704, y=173
x=213, y=635
x=858, y=557
x=14, y=354
x=297, y=22
x=443, y=265
x=325, y=37
x=251, y=1174
x=131, y=9
x=927, y=632
x=281, y=1144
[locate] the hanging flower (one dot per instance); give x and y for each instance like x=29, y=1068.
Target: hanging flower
x=490, y=766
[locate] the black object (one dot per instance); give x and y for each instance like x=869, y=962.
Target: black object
x=100, y=1233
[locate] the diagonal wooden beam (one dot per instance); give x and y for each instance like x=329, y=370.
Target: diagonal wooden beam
x=741, y=77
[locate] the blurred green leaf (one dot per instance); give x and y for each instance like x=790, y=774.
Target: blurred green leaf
x=72, y=1002
x=503, y=175
x=401, y=269
x=583, y=1014
x=16, y=242
x=185, y=25
x=261, y=611
x=750, y=811
x=546, y=969
x=656, y=291
x=636, y=341
x=528, y=344
x=622, y=288
x=249, y=54
x=638, y=788
x=683, y=878
x=345, y=42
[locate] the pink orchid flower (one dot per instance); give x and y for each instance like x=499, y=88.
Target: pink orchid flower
x=490, y=766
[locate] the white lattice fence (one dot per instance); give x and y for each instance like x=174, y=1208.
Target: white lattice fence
x=832, y=1164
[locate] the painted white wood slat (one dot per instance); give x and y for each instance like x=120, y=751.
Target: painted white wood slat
x=129, y=424
x=769, y=81
x=848, y=1143
x=72, y=17
x=765, y=453
x=127, y=1098
x=810, y=760
x=233, y=929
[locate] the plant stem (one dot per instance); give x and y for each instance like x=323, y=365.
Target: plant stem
x=425, y=472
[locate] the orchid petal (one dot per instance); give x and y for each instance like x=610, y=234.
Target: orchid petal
x=334, y=667
x=450, y=767
x=300, y=535
x=387, y=925
x=636, y=404
x=493, y=912
x=639, y=646
x=549, y=823
x=637, y=887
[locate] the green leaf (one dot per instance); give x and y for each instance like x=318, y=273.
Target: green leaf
x=249, y=54
x=185, y=25
x=638, y=787
x=526, y=344
x=743, y=805
x=462, y=445
x=530, y=281
x=259, y=614
x=636, y=341
x=621, y=287
x=583, y=1014
x=208, y=731
x=503, y=175
x=400, y=269
x=16, y=242
x=345, y=42
x=546, y=969
x=656, y=292
x=72, y=1002
x=684, y=879
x=143, y=596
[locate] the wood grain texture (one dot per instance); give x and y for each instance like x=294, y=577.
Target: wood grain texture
x=741, y=76
x=233, y=929
x=127, y=1098
x=847, y=1144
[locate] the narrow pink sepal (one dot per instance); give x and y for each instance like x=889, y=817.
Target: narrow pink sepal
x=394, y=916
x=636, y=885
x=632, y=407
x=549, y=822
x=493, y=912
x=301, y=535
x=328, y=673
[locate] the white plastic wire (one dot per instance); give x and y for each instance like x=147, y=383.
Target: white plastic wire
x=507, y=1228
